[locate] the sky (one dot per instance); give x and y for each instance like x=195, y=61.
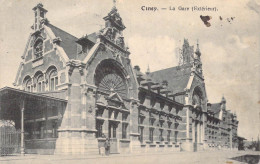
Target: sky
x=230, y=49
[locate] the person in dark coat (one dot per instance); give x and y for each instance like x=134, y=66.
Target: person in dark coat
x=107, y=146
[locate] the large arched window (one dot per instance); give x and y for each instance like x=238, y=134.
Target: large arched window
x=38, y=48
x=40, y=83
x=53, y=80
x=109, y=78
x=28, y=86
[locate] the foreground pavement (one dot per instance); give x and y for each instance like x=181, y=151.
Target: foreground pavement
x=207, y=157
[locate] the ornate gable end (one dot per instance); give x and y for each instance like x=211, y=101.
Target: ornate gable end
x=42, y=51
x=110, y=48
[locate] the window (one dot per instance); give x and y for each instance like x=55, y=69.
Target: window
x=40, y=84
x=151, y=120
x=124, y=117
x=175, y=136
x=53, y=80
x=151, y=134
x=28, y=85
x=140, y=120
x=169, y=136
x=161, y=135
x=124, y=130
x=42, y=129
x=114, y=131
x=141, y=132
x=38, y=48
x=54, y=129
x=99, y=126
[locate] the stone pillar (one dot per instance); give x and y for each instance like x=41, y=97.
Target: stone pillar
x=135, y=144
x=187, y=145
x=199, y=133
x=193, y=131
x=22, y=126
x=203, y=138
x=146, y=128
x=78, y=125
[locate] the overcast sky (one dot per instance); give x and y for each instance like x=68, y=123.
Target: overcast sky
x=230, y=50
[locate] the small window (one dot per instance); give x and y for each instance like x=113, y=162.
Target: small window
x=124, y=130
x=169, y=136
x=151, y=134
x=161, y=135
x=54, y=129
x=141, y=132
x=38, y=47
x=124, y=117
x=99, y=126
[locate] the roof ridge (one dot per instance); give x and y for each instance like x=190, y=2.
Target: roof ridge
x=165, y=69
x=182, y=66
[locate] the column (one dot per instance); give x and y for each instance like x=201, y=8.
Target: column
x=135, y=145
x=193, y=131
x=22, y=127
x=199, y=133
x=77, y=132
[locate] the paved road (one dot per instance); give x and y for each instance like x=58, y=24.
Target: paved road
x=209, y=157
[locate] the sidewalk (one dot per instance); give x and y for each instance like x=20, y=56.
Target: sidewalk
x=218, y=157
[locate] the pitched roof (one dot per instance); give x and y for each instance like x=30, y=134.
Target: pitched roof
x=215, y=109
x=93, y=37
x=68, y=42
x=177, y=77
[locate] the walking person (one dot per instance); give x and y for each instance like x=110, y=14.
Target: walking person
x=107, y=146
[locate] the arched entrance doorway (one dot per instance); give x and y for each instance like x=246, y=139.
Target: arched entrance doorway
x=112, y=116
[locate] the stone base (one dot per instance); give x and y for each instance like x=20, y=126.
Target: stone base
x=135, y=147
x=76, y=145
x=187, y=146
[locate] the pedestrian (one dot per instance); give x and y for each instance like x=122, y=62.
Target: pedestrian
x=107, y=146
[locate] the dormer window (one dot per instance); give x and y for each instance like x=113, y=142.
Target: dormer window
x=38, y=47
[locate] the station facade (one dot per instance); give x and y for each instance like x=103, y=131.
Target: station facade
x=79, y=91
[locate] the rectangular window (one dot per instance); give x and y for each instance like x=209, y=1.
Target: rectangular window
x=169, y=136
x=56, y=83
x=151, y=134
x=114, y=131
x=141, y=132
x=124, y=130
x=42, y=130
x=161, y=135
x=124, y=117
x=99, y=126
x=52, y=84
x=54, y=129
x=39, y=86
x=175, y=136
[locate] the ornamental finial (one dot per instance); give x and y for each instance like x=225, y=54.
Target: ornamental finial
x=114, y=3
x=148, y=70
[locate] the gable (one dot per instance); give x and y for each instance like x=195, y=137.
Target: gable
x=52, y=55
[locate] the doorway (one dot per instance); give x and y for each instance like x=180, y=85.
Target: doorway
x=113, y=136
